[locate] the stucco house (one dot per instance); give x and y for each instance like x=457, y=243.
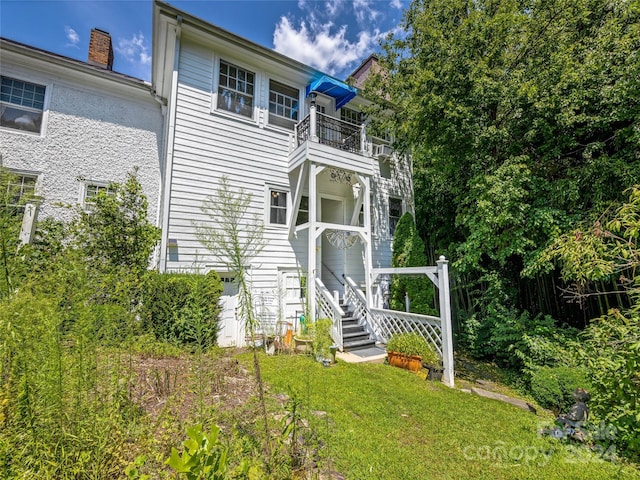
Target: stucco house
x=293, y=139
x=69, y=128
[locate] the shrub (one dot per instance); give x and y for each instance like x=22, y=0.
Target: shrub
x=552, y=387
x=610, y=350
x=413, y=344
x=182, y=308
x=320, y=332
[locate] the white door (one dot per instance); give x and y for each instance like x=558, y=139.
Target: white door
x=292, y=301
x=231, y=328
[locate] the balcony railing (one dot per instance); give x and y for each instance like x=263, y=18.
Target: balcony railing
x=330, y=131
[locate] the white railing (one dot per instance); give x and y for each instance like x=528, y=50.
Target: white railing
x=329, y=308
x=386, y=323
x=357, y=302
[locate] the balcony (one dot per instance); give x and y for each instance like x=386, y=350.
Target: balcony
x=331, y=131
x=332, y=142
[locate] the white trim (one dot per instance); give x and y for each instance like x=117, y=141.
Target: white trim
x=48, y=88
x=216, y=85
x=268, y=188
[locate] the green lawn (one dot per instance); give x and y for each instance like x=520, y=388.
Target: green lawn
x=387, y=423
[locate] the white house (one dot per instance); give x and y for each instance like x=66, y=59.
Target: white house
x=219, y=106
x=292, y=138
x=69, y=128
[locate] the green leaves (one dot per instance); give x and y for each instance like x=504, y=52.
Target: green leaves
x=203, y=455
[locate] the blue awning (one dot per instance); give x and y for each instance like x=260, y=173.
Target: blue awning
x=333, y=88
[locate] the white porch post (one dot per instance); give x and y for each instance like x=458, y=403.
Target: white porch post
x=445, y=319
x=368, y=262
x=311, y=256
x=313, y=122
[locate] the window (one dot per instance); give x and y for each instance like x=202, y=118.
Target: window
x=371, y=218
x=20, y=189
x=91, y=190
x=21, y=105
x=283, y=104
x=385, y=168
x=278, y=207
x=235, y=90
x=395, y=212
x=350, y=116
x=303, y=211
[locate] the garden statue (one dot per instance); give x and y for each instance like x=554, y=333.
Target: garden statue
x=579, y=412
x=570, y=425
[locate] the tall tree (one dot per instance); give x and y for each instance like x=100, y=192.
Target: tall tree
x=522, y=117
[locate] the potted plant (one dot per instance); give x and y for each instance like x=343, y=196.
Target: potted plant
x=410, y=351
x=315, y=339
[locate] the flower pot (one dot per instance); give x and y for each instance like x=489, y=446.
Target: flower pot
x=302, y=345
x=435, y=372
x=408, y=362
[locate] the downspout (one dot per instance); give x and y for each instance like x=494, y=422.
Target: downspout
x=161, y=154
x=171, y=128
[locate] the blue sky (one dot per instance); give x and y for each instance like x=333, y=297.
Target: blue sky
x=333, y=36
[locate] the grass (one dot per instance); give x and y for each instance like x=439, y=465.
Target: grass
x=386, y=423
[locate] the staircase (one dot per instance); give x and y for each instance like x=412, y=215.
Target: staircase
x=354, y=336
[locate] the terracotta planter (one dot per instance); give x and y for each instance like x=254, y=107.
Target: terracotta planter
x=408, y=362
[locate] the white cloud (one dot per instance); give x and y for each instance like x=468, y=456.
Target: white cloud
x=396, y=4
x=332, y=7
x=72, y=36
x=322, y=45
x=364, y=12
x=134, y=50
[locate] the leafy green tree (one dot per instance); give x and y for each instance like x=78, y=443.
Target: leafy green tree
x=522, y=120
x=408, y=251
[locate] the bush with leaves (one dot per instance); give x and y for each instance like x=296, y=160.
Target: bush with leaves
x=610, y=346
x=182, y=308
x=610, y=350
x=553, y=387
x=67, y=407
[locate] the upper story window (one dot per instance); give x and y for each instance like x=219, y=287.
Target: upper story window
x=395, y=212
x=277, y=207
x=350, y=116
x=21, y=105
x=283, y=104
x=303, y=211
x=235, y=89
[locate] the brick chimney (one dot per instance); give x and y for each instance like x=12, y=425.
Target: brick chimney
x=100, y=49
